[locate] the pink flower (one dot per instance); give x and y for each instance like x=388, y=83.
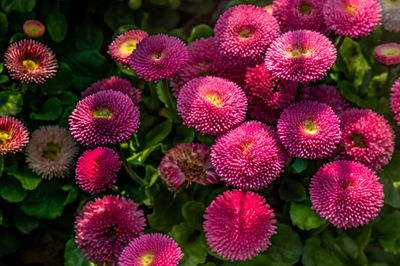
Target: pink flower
x=13, y=135
x=346, y=193
x=388, y=53
x=239, y=225
x=395, y=101
x=33, y=28
x=328, y=95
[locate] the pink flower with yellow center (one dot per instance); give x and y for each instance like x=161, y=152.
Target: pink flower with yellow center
x=388, y=53
x=33, y=28
x=13, y=135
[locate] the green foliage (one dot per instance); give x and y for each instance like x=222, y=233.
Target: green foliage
x=303, y=217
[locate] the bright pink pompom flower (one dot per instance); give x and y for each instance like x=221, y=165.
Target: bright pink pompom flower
x=13, y=135
x=388, y=53
x=395, y=101
x=328, y=95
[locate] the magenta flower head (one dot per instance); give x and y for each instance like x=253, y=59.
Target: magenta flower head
x=395, y=100
x=151, y=249
x=30, y=61
x=388, y=53
x=13, y=135
x=51, y=152
x=328, y=95
x=353, y=18
x=309, y=130
x=187, y=163
x=249, y=156
x=104, y=118
x=300, y=56
x=239, y=225
x=243, y=34
x=212, y=105
x=158, y=56
x=346, y=193
x=116, y=84
x=300, y=15
x=391, y=15
x=122, y=47
x=267, y=95
x=96, y=170
x=105, y=227
x=367, y=138
x=33, y=28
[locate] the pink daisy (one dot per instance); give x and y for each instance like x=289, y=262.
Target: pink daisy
x=309, y=130
x=30, y=61
x=249, y=156
x=13, y=135
x=51, y=152
x=239, y=225
x=212, y=105
x=300, y=56
x=395, y=101
x=33, y=28
x=353, y=18
x=328, y=95
x=158, y=56
x=105, y=227
x=151, y=250
x=104, y=118
x=367, y=138
x=348, y=194
x=122, y=47
x=244, y=33
x=388, y=53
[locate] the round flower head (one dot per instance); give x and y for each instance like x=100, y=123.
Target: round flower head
x=395, y=101
x=105, y=227
x=51, y=152
x=151, y=250
x=239, y=225
x=122, y=47
x=328, y=95
x=243, y=33
x=104, y=118
x=249, y=156
x=13, y=135
x=187, y=163
x=391, y=14
x=348, y=194
x=158, y=56
x=267, y=95
x=300, y=15
x=212, y=105
x=116, y=84
x=30, y=61
x=367, y=138
x=388, y=53
x=300, y=56
x=353, y=18
x=96, y=170
x=33, y=28
x=309, y=130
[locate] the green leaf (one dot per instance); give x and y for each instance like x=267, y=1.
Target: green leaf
x=4, y=79
x=11, y=103
x=200, y=31
x=158, y=133
x=183, y=134
x=72, y=194
x=151, y=174
x=26, y=177
x=291, y=190
x=8, y=242
x=90, y=64
x=69, y=98
x=315, y=255
x=391, y=191
x=140, y=157
x=205, y=139
x=388, y=232
x=60, y=82
x=25, y=224
x=23, y=5
x=197, y=6
x=298, y=165
x=51, y=110
x=57, y=26
x=192, y=212
x=118, y=14
x=303, y=217
x=73, y=255
x=88, y=36
x=11, y=190
x=3, y=26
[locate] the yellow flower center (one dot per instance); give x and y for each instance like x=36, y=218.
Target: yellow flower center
x=350, y=10
x=390, y=51
x=5, y=137
x=51, y=151
x=33, y=29
x=214, y=98
x=30, y=64
x=128, y=47
x=103, y=113
x=311, y=127
x=246, y=145
x=305, y=8
x=245, y=33
x=358, y=139
x=147, y=259
x=157, y=56
x=298, y=52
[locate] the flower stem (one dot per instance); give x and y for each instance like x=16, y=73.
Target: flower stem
x=171, y=107
x=339, y=44
x=386, y=89
x=128, y=168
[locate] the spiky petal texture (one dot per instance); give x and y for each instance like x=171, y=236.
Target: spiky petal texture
x=187, y=163
x=96, y=170
x=158, y=56
x=239, y=225
x=327, y=94
x=388, y=53
x=151, y=249
x=395, y=100
x=212, y=105
x=309, y=130
x=243, y=33
x=367, y=138
x=346, y=193
x=391, y=14
x=300, y=56
x=300, y=15
x=205, y=60
x=104, y=118
x=353, y=18
x=116, y=84
x=51, y=152
x=267, y=95
x=105, y=227
x=249, y=156
x=33, y=28
x=30, y=61
x=122, y=47
x=13, y=135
